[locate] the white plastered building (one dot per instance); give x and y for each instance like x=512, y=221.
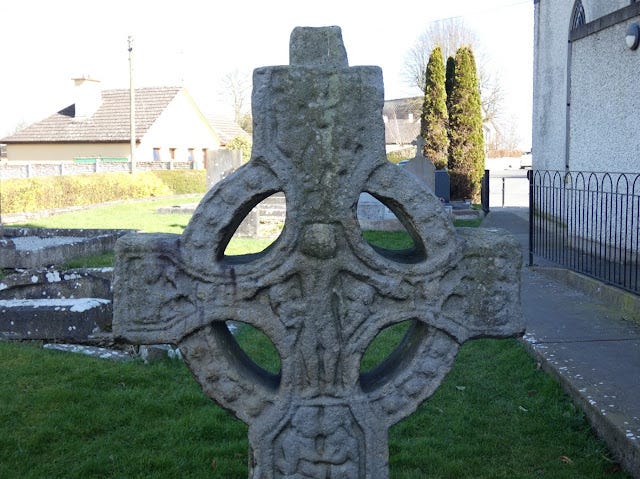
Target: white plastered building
x=586, y=87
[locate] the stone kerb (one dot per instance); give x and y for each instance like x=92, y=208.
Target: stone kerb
x=320, y=292
x=49, y=304
x=36, y=247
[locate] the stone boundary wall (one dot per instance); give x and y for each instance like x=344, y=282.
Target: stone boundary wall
x=28, y=169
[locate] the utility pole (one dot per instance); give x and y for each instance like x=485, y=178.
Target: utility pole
x=132, y=106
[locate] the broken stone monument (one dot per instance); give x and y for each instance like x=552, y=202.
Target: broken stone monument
x=320, y=292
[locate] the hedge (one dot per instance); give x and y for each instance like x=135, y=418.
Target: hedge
x=183, y=182
x=34, y=194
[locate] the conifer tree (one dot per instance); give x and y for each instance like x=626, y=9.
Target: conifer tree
x=448, y=83
x=466, y=139
x=434, y=119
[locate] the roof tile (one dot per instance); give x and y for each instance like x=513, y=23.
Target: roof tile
x=110, y=123
x=226, y=128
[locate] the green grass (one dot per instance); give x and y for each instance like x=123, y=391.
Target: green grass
x=496, y=415
x=143, y=216
x=391, y=240
x=98, y=261
x=139, y=215
x=259, y=347
x=468, y=223
x=66, y=416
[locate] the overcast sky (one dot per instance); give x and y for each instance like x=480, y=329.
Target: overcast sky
x=44, y=43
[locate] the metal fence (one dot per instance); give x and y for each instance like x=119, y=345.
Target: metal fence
x=588, y=222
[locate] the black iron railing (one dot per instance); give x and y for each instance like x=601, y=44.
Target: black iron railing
x=485, y=192
x=588, y=222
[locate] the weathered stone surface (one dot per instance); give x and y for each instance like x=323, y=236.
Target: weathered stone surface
x=321, y=293
x=221, y=163
x=37, y=247
x=54, y=319
x=50, y=304
x=57, y=284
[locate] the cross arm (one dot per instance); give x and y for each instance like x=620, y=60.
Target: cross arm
x=151, y=299
x=483, y=291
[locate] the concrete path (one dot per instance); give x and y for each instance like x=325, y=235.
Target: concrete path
x=584, y=341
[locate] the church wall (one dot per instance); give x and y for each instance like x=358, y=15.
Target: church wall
x=551, y=27
x=603, y=96
x=605, y=102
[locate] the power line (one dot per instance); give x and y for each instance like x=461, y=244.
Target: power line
x=484, y=10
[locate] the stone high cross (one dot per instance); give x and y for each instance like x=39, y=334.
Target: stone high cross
x=321, y=293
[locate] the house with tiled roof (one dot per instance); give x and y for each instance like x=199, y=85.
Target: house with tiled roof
x=401, y=122
x=226, y=128
x=168, y=127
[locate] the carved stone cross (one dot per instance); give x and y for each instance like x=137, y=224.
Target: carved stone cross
x=321, y=293
x=419, y=143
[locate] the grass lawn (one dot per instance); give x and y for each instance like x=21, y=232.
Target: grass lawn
x=67, y=416
x=496, y=415
x=143, y=216
x=137, y=215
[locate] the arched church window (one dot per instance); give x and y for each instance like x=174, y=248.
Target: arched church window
x=577, y=17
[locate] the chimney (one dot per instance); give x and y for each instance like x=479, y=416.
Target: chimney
x=88, y=97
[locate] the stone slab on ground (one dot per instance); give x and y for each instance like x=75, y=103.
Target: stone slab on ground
x=76, y=320
x=57, y=284
x=185, y=209
x=36, y=247
x=93, y=351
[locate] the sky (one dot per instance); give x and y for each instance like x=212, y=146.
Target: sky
x=195, y=43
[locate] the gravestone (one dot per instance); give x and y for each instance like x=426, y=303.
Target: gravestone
x=421, y=166
x=221, y=163
x=321, y=293
x=443, y=185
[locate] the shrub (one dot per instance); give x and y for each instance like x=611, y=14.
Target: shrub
x=242, y=143
x=33, y=194
x=182, y=182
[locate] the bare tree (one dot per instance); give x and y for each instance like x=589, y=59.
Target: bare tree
x=451, y=34
x=236, y=86
x=491, y=94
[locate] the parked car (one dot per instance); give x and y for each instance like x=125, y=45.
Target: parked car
x=525, y=161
